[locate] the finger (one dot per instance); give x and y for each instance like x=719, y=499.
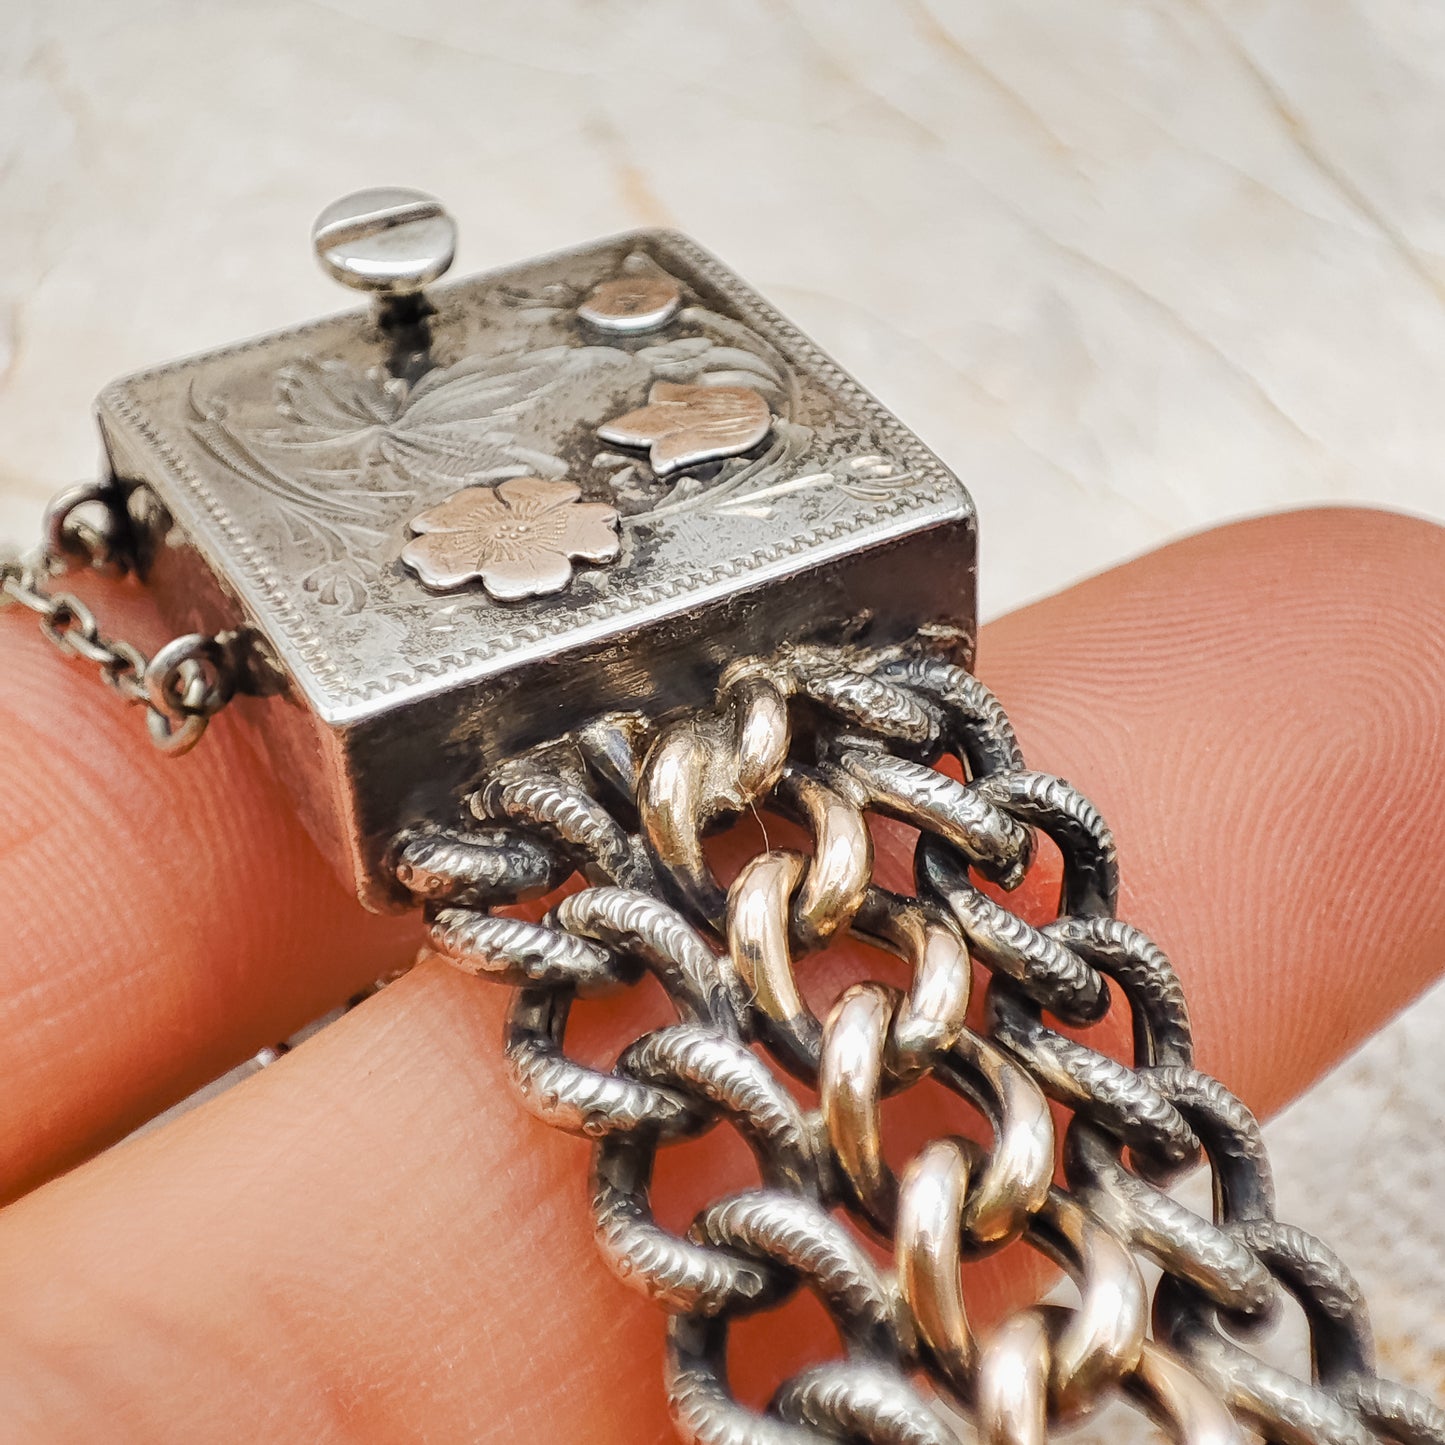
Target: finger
x=1259, y=713
x=163, y=918
x=372, y=1242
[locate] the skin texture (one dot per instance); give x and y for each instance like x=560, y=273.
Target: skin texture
x=371, y=1242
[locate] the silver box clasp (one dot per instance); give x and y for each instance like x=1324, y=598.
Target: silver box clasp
x=461, y=523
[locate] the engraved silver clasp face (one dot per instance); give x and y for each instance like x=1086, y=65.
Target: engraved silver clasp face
x=461, y=525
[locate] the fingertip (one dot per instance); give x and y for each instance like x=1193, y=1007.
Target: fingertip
x=1259, y=712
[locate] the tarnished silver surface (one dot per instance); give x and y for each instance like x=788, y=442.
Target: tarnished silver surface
x=580, y=484
x=824, y=737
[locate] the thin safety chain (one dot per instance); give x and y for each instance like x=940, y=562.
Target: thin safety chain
x=825, y=738
x=91, y=527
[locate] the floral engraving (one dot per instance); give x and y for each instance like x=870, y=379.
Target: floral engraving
x=465, y=422
x=345, y=455
x=518, y=539
x=684, y=425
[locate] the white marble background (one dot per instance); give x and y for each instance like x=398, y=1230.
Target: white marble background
x=1132, y=267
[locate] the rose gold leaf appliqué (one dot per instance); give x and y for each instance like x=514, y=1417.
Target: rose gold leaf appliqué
x=682, y=425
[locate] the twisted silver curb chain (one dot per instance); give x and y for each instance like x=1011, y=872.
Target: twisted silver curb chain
x=825, y=738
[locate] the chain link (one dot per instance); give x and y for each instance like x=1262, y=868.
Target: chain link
x=826, y=738
x=187, y=681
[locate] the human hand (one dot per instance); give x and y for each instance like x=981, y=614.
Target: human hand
x=372, y=1241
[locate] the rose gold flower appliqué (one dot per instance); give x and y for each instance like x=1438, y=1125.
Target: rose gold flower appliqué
x=518, y=539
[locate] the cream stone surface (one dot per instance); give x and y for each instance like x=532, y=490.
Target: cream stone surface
x=1132, y=267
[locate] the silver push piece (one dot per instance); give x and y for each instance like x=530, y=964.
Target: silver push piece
x=579, y=485
x=388, y=241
